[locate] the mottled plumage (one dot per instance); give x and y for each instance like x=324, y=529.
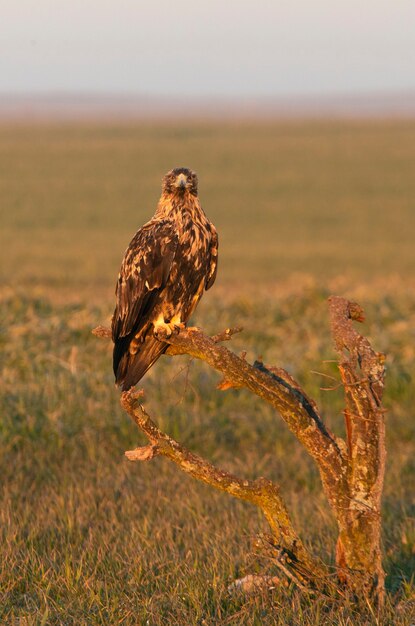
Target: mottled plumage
x=169, y=263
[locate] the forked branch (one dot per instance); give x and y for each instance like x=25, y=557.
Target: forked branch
x=352, y=473
x=261, y=492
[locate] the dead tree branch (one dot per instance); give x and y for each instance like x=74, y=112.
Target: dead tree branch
x=352, y=474
x=261, y=492
x=277, y=387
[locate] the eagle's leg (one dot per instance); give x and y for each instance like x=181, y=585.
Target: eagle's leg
x=163, y=328
x=177, y=323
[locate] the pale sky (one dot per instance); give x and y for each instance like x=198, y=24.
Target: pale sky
x=200, y=47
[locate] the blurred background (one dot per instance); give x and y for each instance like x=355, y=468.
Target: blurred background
x=299, y=119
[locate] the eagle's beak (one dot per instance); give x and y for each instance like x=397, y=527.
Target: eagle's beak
x=181, y=181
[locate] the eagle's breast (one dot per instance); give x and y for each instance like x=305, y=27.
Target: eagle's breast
x=190, y=267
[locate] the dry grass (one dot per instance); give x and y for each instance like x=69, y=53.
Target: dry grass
x=323, y=198
x=88, y=538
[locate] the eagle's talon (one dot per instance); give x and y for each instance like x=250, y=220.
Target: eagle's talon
x=161, y=332
x=179, y=327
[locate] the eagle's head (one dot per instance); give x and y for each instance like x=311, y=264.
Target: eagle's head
x=179, y=181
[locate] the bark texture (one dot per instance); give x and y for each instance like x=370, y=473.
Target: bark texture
x=359, y=555
x=352, y=472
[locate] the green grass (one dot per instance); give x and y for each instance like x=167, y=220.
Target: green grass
x=302, y=209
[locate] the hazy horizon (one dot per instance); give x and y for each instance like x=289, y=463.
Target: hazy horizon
x=129, y=108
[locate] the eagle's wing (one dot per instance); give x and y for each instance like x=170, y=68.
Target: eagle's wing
x=144, y=273
x=213, y=261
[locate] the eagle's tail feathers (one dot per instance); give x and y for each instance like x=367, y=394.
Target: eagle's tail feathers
x=132, y=367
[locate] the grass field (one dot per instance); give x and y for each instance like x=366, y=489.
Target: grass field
x=303, y=209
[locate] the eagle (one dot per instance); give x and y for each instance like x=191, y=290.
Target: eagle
x=169, y=263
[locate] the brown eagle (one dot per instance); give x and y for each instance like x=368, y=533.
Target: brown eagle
x=169, y=263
